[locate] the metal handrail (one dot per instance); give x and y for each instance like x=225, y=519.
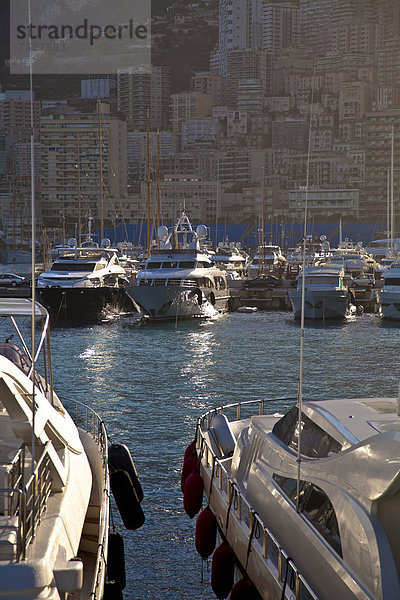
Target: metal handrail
x=37, y=491
x=167, y=281
x=18, y=510
x=32, y=498
x=89, y=421
x=242, y=509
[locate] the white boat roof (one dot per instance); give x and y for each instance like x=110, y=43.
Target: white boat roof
x=326, y=269
x=20, y=307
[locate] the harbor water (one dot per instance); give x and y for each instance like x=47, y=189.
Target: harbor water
x=151, y=382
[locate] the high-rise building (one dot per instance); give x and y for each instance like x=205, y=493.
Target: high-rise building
x=15, y=114
x=211, y=84
x=315, y=15
x=280, y=25
x=188, y=105
x=144, y=94
x=388, y=60
x=246, y=64
x=97, y=88
x=234, y=30
x=378, y=141
x=74, y=162
x=388, y=16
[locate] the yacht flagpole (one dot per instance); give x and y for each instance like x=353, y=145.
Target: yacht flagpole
x=303, y=279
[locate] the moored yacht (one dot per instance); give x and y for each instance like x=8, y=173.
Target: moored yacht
x=267, y=259
x=353, y=257
x=326, y=294
x=232, y=259
x=315, y=518
x=388, y=298
x=83, y=282
x=179, y=280
x=54, y=478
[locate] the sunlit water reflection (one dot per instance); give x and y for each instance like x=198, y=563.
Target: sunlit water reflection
x=150, y=383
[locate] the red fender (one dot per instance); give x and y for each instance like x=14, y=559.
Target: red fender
x=189, y=465
x=244, y=589
x=190, y=450
x=222, y=570
x=206, y=533
x=193, y=494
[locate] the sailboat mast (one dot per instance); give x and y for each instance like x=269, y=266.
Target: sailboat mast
x=388, y=211
x=79, y=189
x=148, y=182
x=158, y=185
x=303, y=286
x=33, y=243
x=101, y=172
x=392, y=230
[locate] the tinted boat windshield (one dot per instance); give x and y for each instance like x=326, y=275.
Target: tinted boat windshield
x=315, y=442
x=392, y=280
x=73, y=266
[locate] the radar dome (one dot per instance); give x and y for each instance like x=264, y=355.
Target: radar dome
x=322, y=238
x=201, y=231
x=325, y=246
x=106, y=243
x=129, y=245
x=162, y=232
x=72, y=242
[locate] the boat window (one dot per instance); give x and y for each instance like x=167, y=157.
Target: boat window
x=169, y=265
x=81, y=267
x=392, y=280
x=318, y=280
x=186, y=264
x=316, y=507
x=153, y=265
x=204, y=264
x=220, y=283
x=315, y=442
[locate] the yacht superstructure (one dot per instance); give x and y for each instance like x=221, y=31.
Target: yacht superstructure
x=179, y=280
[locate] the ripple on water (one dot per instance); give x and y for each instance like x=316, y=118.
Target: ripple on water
x=150, y=384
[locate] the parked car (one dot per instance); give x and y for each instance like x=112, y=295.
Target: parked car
x=11, y=279
x=365, y=280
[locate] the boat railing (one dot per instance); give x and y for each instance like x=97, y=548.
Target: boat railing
x=23, y=505
x=86, y=419
x=172, y=281
x=37, y=492
x=287, y=575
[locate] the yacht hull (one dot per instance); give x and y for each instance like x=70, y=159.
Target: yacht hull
x=83, y=303
x=388, y=305
x=176, y=302
x=320, y=305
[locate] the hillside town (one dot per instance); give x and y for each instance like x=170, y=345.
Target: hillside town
x=294, y=97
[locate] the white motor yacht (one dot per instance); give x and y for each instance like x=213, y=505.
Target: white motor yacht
x=353, y=257
x=54, y=480
x=268, y=259
x=84, y=282
x=316, y=518
x=179, y=280
x=232, y=259
x=326, y=293
x=388, y=298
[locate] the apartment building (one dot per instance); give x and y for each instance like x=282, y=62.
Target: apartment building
x=144, y=96
x=78, y=151
x=189, y=105
x=189, y=191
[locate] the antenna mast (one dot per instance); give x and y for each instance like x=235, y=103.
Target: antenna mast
x=303, y=281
